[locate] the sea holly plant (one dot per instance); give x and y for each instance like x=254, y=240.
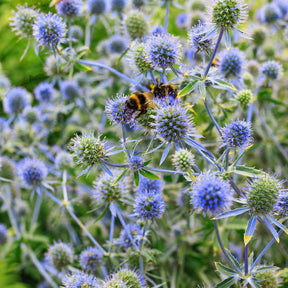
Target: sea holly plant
x=136, y=158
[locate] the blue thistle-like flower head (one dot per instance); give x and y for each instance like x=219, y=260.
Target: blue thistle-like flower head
x=269, y=13
x=136, y=163
x=231, y=63
x=116, y=111
x=98, y=7
x=163, y=50
x=90, y=259
x=149, y=206
x=23, y=20
x=158, y=30
x=44, y=92
x=80, y=280
x=237, y=134
x=16, y=100
x=196, y=39
x=32, y=171
x=117, y=44
x=49, y=30
x=139, y=3
x=283, y=6
x=271, y=69
x=69, y=8
x=147, y=185
x=69, y=89
x=3, y=234
x=118, y=5
x=105, y=189
x=183, y=20
x=281, y=208
x=63, y=160
x=211, y=194
x=136, y=233
x=61, y=255
x=173, y=123
x=136, y=24
x=183, y=160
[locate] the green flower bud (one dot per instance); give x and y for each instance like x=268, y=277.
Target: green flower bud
x=136, y=24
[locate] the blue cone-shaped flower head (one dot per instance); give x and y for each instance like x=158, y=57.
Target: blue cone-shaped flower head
x=49, y=30
x=80, y=280
x=158, y=30
x=183, y=20
x=98, y=7
x=118, y=5
x=211, y=194
x=117, y=112
x=283, y=6
x=197, y=39
x=136, y=163
x=3, y=234
x=271, y=69
x=16, y=100
x=132, y=278
x=61, y=255
x=117, y=44
x=173, y=123
x=139, y=3
x=90, y=259
x=282, y=205
x=263, y=194
x=44, y=92
x=69, y=89
x=163, y=50
x=147, y=185
x=149, y=206
x=32, y=171
x=23, y=20
x=269, y=13
x=69, y=8
x=136, y=233
x=231, y=63
x=237, y=134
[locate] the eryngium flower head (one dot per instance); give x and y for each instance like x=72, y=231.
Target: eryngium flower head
x=136, y=163
x=3, y=234
x=139, y=3
x=149, y=206
x=183, y=160
x=211, y=194
x=131, y=278
x=263, y=194
x=98, y=7
x=76, y=32
x=173, y=123
x=267, y=279
x=23, y=20
x=231, y=63
x=197, y=39
x=269, y=13
x=116, y=111
x=136, y=233
x=16, y=100
x=63, y=160
x=117, y=44
x=69, y=7
x=32, y=171
x=183, y=20
x=283, y=6
x=88, y=149
x=282, y=205
x=138, y=59
x=69, y=89
x=244, y=97
x=258, y=35
x=79, y=280
x=237, y=134
x=90, y=259
x=61, y=255
x=136, y=24
x=105, y=189
x=49, y=30
x=227, y=14
x=44, y=92
x=7, y=168
x=114, y=283
x=271, y=69
x=147, y=185
x=118, y=5
x=163, y=50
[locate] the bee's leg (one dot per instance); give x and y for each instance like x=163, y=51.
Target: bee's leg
x=142, y=112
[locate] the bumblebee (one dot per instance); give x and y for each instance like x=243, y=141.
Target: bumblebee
x=215, y=62
x=141, y=101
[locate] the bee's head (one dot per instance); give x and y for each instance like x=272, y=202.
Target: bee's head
x=131, y=103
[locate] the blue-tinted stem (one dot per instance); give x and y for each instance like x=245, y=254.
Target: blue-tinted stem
x=227, y=159
x=41, y=269
x=222, y=247
x=116, y=165
x=214, y=52
x=64, y=188
x=87, y=34
x=26, y=49
x=165, y=171
x=77, y=220
x=212, y=117
x=112, y=225
x=246, y=259
x=69, y=33
x=36, y=210
x=271, y=135
x=166, y=16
